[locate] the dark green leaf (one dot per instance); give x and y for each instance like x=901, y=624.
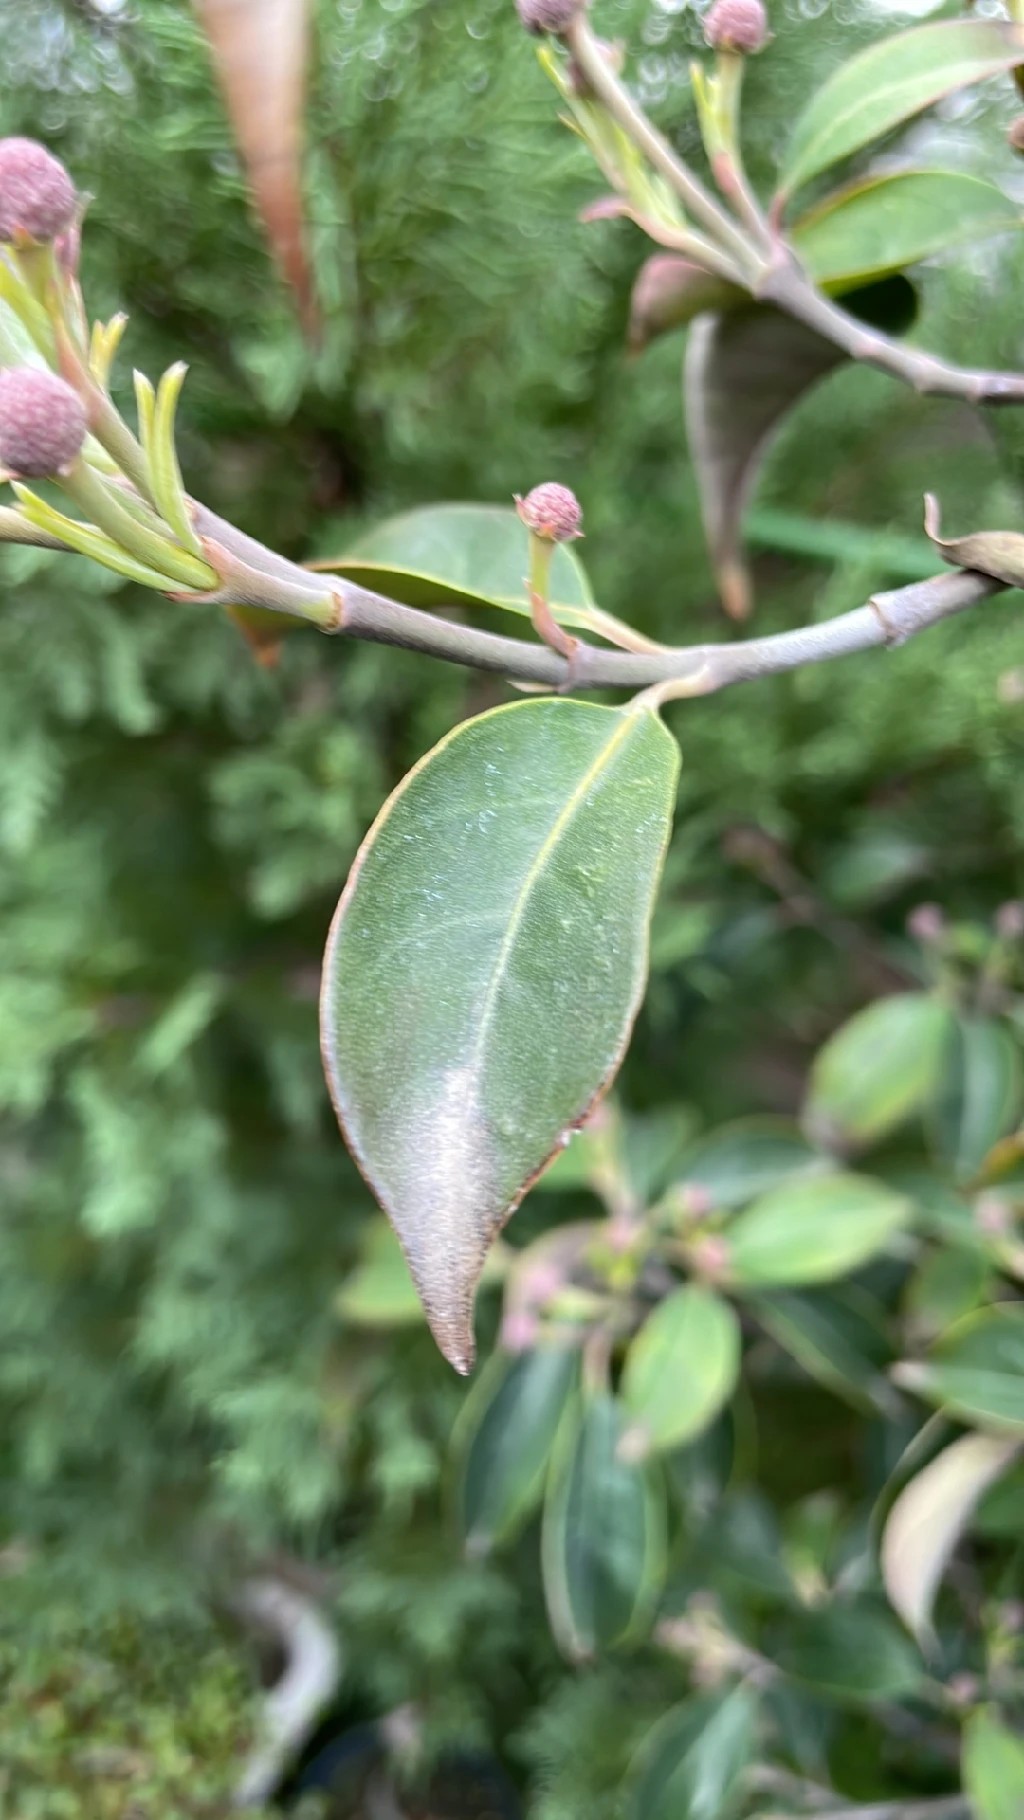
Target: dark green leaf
x=889, y=83
x=745, y=370
x=847, y=1651
x=681, y=1368
x=929, y=1517
x=690, y=1766
x=504, y=1437
x=484, y=969
x=977, y=1371
x=834, y=1339
x=603, y=1546
x=993, y=1767
x=813, y=1230
x=878, y=1070
x=979, y=1094
x=884, y=223
x=746, y=1158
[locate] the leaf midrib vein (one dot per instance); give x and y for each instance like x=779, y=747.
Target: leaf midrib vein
x=569, y=810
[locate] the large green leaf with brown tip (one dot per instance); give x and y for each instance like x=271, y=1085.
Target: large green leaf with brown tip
x=890, y=82
x=484, y=968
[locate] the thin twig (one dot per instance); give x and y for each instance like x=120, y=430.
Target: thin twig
x=258, y=577
x=786, y=286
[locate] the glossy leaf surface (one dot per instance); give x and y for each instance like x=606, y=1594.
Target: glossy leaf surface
x=879, y=1068
x=891, y=81
x=690, y=1766
x=812, y=1231
x=681, y=1368
x=504, y=1438
x=887, y=222
x=979, y=1094
x=977, y=1371
x=604, y=1534
x=484, y=968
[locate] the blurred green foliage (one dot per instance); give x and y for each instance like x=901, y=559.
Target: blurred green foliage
x=180, y=1387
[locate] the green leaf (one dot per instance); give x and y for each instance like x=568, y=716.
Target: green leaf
x=890, y=82
x=379, y=1292
x=746, y=1158
x=504, y=1437
x=484, y=968
x=745, y=370
x=978, y=1099
x=977, y=1371
x=680, y=1369
x=690, y=1766
x=603, y=1544
x=993, y=1767
x=835, y=1340
x=851, y=1652
x=469, y=556
x=812, y=1231
x=879, y=1069
x=884, y=223
x=928, y=1518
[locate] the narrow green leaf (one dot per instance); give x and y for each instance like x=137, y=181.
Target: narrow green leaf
x=835, y=1340
x=681, y=1369
x=87, y=541
x=890, y=82
x=503, y=1440
x=882, y=224
x=484, y=968
x=470, y=556
x=690, y=1766
x=603, y=1543
x=813, y=1231
x=977, y=1371
x=746, y=1158
x=979, y=1094
x=168, y=487
x=879, y=1069
x=993, y=1767
x=928, y=1518
x=850, y=1652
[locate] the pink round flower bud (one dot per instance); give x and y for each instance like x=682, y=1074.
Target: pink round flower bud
x=548, y=15
x=42, y=422
x=37, y=197
x=926, y=924
x=737, y=25
x=552, y=512
x=1016, y=135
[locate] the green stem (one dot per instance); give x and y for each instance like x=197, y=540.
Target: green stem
x=698, y=201
x=97, y=499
